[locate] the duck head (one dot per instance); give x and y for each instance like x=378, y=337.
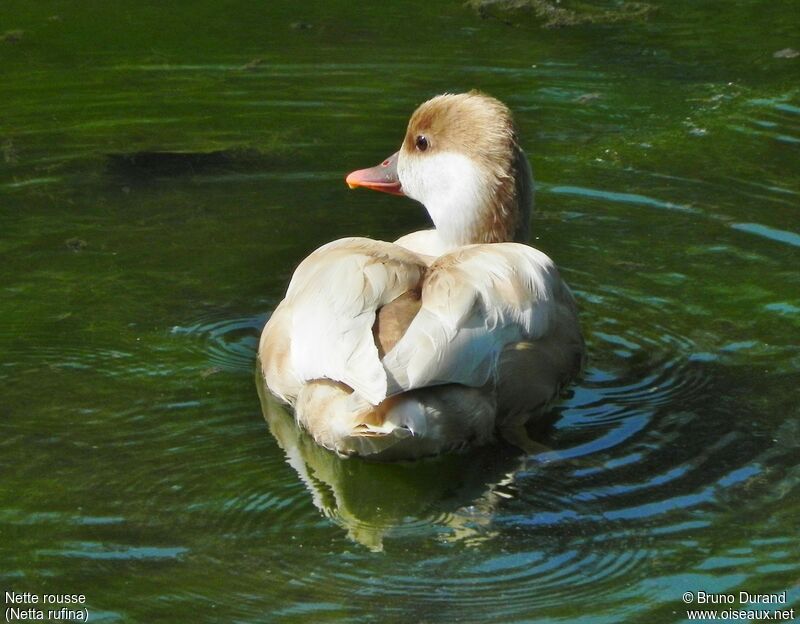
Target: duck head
x=460, y=158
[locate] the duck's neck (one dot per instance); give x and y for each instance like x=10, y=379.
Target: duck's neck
x=486, y=207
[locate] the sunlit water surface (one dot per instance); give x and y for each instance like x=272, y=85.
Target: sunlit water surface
x=137, y=464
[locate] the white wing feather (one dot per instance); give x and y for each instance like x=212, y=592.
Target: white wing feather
x=334, y=295
x=475, y=301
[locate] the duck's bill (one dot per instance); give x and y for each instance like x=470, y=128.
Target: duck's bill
x=382, y=177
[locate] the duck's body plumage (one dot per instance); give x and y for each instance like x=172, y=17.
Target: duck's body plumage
x=430, y=343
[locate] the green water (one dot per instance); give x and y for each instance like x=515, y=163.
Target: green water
x=137, y=467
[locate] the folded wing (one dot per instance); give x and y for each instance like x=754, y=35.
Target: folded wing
x=475, y=302
x=330, y=309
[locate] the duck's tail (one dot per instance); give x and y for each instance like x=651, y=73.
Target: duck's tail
x=406, y=426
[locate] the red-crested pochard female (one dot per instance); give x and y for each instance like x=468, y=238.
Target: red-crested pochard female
x=433, y=342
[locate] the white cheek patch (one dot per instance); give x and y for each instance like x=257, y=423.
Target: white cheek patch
x=450, y=186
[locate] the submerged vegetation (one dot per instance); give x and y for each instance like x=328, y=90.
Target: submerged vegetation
x=555, y=14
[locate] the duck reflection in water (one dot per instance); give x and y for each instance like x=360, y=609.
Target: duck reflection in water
x=455, y=495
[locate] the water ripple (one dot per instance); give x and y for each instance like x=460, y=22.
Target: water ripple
x=230, y=344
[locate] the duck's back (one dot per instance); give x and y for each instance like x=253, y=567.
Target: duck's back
x=382, y=354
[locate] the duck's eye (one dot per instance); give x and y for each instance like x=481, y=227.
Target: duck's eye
x=421, y=143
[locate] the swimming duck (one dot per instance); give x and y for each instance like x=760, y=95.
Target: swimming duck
x=437, y=340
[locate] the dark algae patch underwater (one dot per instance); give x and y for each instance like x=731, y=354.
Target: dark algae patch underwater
x=163, y=169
